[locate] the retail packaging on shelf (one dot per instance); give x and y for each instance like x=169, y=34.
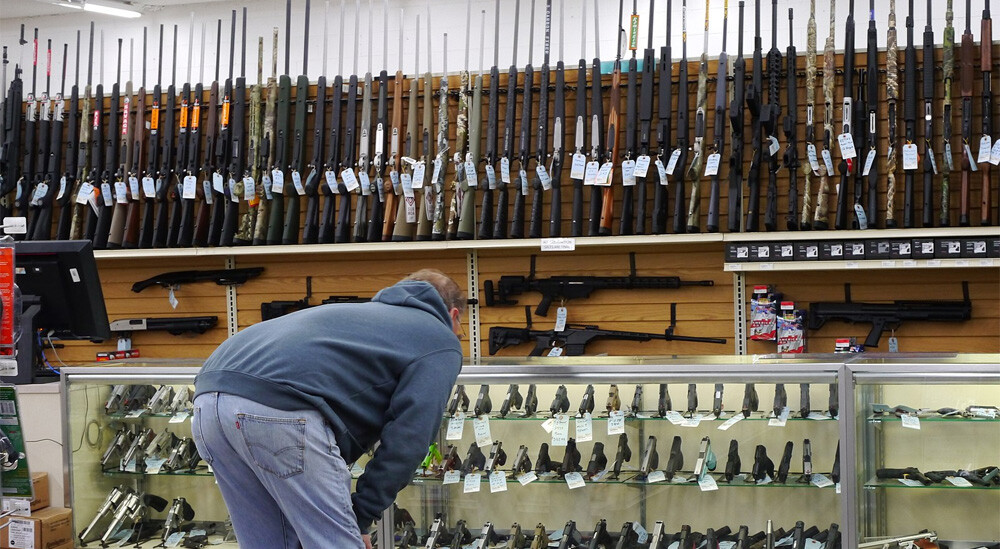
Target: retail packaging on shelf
x=49, y=528
x=40, y=485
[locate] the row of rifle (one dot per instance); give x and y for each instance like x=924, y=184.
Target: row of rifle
x=234, y=170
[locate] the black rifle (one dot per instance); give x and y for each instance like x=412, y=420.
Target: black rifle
x=664, y=126
x=111, y=152
x=97, y=158
x=327, y=221
x=883, y=316
x=211, y=206
x=753, y=99
x=294, y=188
x=31, y=125
x=43, y=220
x=490, y=159
x=469, y=178
x=153, y=151
x=966, y=57
x=222, y=277
x=524, y=156
x=182, y=205
x=872, y=137
x=65, y=198
x=791, y=121
x=631, y=121
x=719, y=128
x=29, y=201
x=573, y=287
x=847, y=165
x=165, y=189
x=281, y=141
x=679, y=157
x=510, y=117
x=540, y=184
x=343, y=231
x=596, y=131
x=645, y=126
x=771, y=118
x=736, y=121
x=928, y=95
x=171, y=325
x=360, y=231
x=379, y=200
x=185, y=236
x=574, y=339
x=986, y=66
x=558, y=138
x=909, y=114
x=234, y=145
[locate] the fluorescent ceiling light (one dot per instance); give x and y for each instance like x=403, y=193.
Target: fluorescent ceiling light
x=102, y=9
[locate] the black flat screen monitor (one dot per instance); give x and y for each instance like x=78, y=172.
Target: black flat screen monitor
x=63, y=275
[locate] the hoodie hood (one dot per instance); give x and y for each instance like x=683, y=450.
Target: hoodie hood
x=417, y=294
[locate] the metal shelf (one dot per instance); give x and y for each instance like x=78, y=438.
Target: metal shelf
x=862, y=264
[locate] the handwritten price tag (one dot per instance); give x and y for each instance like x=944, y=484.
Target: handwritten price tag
x=418, y=175
x=642, y=165
x=543, y=177
x=575, y=480
x=846, y=142
x=911, y=421
x=985, y=147
x=590, y=175
x=995, y=153
x=616, y=422
x=604, y=176
x=481, y=428
x=910, y=157
x=578, y=167
x=655, y=476
x=828, y=161
x=491, y=177
x=712, y=164
x=560, y=430
x=869, y=161
x=707, y=483
x=968, y=154
x=730, y=422
x=812, y=156
x=452, y=477
x=661, y=170
x=505, y=170
x=498, y=482
x=672, y=163
x=350, y=180
x=456, y=426
x=473, y=482
x=628, y=173
x=277, y=181
x=121, y=189
x=584, y=428
x=527, y=478
x=471, y=177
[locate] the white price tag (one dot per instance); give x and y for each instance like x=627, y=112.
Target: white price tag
x=910, y=482
x=730, y=422
x=968, y=154
x=456, y=426
x=180, y=417
x=406, y=182
x=674, y=417
x=481, y=428
x=86, y=190
x=350, y=180
x=820, y=481
x=62, y=187
x=859, y=212
x=121, y=191
x=995, y=153
x=828, y=161
x=364, y=182
x=560, y=430
x=473, y=482
x=911, y=421
x=846, y=142
x=527, y=478
x=578, y=167
x=543, y=177
x=692, y=421
x=20, y=507
x=471, y=177
x=206, y=186
x=40, y=191
x=642, y=165
x=574, y=480
x=189, y=188
x=584, y=428
x=174, y=539
x=661, y=171
x=505, y=170
x=491, y=177
x=437, y=170
x=712, y=164
x=930, y=156
x=948, y=161
x=781, y=420
x=672, y=163
x=910, y=157
x=985, y=147
x=812, y=156
x=707, y=483
x=452, y=477
x=277, y=181
x=154, y=465
x=773, y=146
x=590, y=174
x=249, y=189
x=106, y=194
x=616, y=422
x=234, y=194
x=628, y=173
x=655, y=476
x=418, y=175
x=767, y=480
x=148, y=187
x=548, y=425
x=558, y=244
x=604, y=175
x=869, y=161
x=498, y=482
x=958, y=481
x=522, y=176
x=297, y=182
x=331, y=181
x=555, y=351
x=561, y=315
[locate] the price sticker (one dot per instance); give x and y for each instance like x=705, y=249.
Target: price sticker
x=968, y=154
x=491, y=177
x=558, y=244
x=730, y=422
x=661, y=170
x=297, y=183
x=206, y=187
x=712, y=164
x=812, y=156
x=642, y=165
x=930, y=156
x=505, y=170
x=365, y=183
x=331, y=181
x=828, y=160
x=820, y=481
x=473, y=482
x=911, y=421
x=121, y=190
x=616, y=422
x=543, y=177
x=471, y=176
x=350, y=180
x=498, y=482
x=707, y=483
x=674, y=417
x=560, y=430
x=846, y=142
x=995, y=153
x=527, y=478
x=869, y=161
x=985, y=147
x=584, y=428
x=561, y=315
x=910, y=157
x=910, y=482
x=773, y=146
x=628, y=173
x=604, y=175
x=277, y=181
x=574, y=480
x=452, y=477
x=672, y=163
x=578, y=167
x=456, y=426
x=107, y=194
x=655, y=476
x=590, y=175
x=481, y=428
x=418, y=175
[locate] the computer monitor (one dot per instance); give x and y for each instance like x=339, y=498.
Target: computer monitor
x=62, y=274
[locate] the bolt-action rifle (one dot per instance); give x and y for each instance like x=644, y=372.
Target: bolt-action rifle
x=612, y=143
x=805, y=221
x=558, y=136
x=257, y=159
x=596, y=132
x=541, y=180
x=946, y=108
x=406, y=214
x=426, y=213
x=97, y=156
x=166, y=191
x=986, y=67
x=909, y=117
x=117, y=229
x=700, y=118
x=440, y=166
x=891, y=99
x=753, y=98
x=645, y=128
x=295, y=189
x=631, y=122
x=46, y=195
x=106, y=195
x=524, y=156
x=872, y=138
x=153, y=151
x=771, y=119
x=579, y=163
x=490, y=160
x=332, y=188
x=348, y=180
x=678, y=159
x=718, y=127
x=736, y=121
x=266, y=147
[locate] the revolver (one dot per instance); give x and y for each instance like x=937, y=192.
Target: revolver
x=159, y=402
x=179, y=513
x=104, y=514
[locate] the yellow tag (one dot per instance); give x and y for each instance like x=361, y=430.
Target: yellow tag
x=184, y=115
x=195, y=115
x=154, y=119
x=225, y=111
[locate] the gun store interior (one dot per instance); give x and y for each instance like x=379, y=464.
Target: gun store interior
x=187, y=228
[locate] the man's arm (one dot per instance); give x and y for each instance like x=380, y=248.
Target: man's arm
x=411, y=421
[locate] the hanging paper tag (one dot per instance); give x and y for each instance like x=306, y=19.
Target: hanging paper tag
x=616, y=422
x=331, y=180
x=712, y=164
x=590, y=173
x=491, y=177
x=661, y=170
x=498, y=482
x=995, y=153
x=628, y=173
x=672, y=163
x=234, y=191
x=859, y=211
x=869, y=161
x=707, y=483
x=171, y=298
x=584, y=428
x=548, y=425
x=121, y=192
x=481, y=428
x=910, y=157
x=574, y=480
x=365, y=183
x=561, y=315
x=133, y=187
x=555, y=351
x=828, y=160
x=846, y=142
x=452, y=477
x=779, y=421
x=456, y=425
x=471, y=177
x=207, y=188
x=106, y=194
x=578, y=167
x=948, y=161
x=674, y=417
x=604, y=175
x=773, y=146
x=813, y=160
x=985, y=147
x=406, y=182
x=505, y=170
x=297, y=182
x=560, y=430
x=911, y=421
x=642, y=165
x=249, y=189
x=437, y=170
x=62, y=187
x=418, y=175
x=968, y=154
x=83, y=195
x=527, y=478
x=350, y=180
x=522, y=177
x=930, y=156
x=277, y=181
x=472, y=483
x=543, y=177
x=190, y=187
x=893, y=344
x=655, y=476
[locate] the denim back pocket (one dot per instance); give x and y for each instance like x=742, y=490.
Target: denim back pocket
x=277, y=444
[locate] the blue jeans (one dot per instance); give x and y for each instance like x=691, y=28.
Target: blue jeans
x=280, y=473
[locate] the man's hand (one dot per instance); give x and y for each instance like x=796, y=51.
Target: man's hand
x=368, y=541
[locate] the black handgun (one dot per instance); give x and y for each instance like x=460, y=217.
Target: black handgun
x=512, y=400
x=750, y=401
x=717, y=400
x=628, y=538
x=601, y=537
x=459, y=398
x=571, y=459
x=733, y=462
x=804, y=405
x=522, y=464
x=497, y=457
x=835, y=473
x=833, y=537
x=798, y=535
x=462, y=536
x=560, y=404
x=692, y=405
x=598, y=461
x=762, y=465
x=623, y=455
x=636, y=401
x=834, y=403
x=650, y=458
x=741, y=538
x=780, y=399
x=676, y=460
x=571, y=536
x=663, y=404
x=475, y=460
x=544, y=463
x=483, y=403
x=530, y=402
x=587, y=402
x=786, y=461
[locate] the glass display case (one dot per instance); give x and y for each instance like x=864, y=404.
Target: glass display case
x=928, y=448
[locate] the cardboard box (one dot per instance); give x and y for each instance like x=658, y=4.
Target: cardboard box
x=923, y=248
x=901, y=249
x=878, y=249
x=854, y=250
x=806, y=251
x=975, y=247
x=49, y=528
x=831, y=250
x=760, y=251
x=737, y=253
x=994, y=247
x=40, y=484
x=948, y=248
x=784, y=251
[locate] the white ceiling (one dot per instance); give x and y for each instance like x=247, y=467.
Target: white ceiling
x=18, y=9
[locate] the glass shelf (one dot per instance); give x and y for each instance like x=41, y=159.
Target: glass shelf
x=943, y=485
x=631, y=478
x=128, y=416
x=933, y=419
x=649, y=416
x=196, y=473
